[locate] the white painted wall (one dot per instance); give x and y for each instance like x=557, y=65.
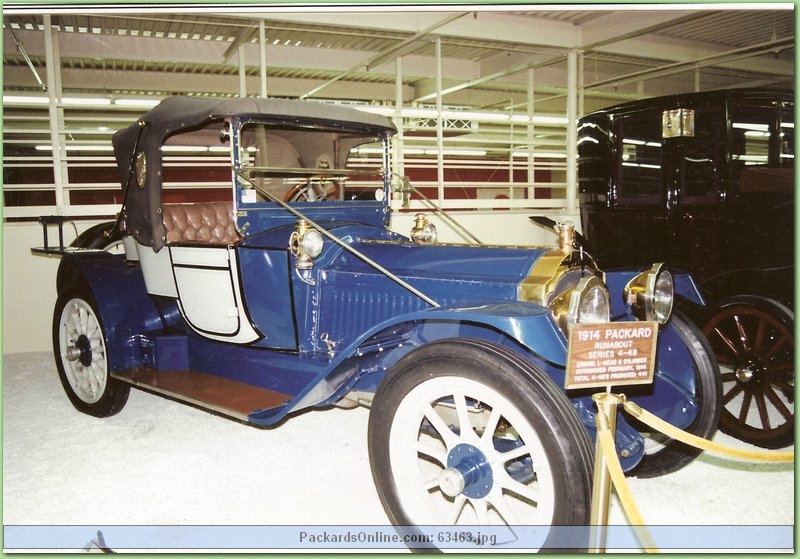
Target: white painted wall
x=29, y=280
x=29, y=287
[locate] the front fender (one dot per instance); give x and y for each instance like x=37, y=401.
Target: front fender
x=376, y=350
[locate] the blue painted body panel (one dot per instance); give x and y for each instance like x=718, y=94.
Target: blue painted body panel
x=342, y=325
x=268, y=295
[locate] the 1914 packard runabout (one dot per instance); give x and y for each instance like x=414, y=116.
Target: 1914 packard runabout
x=294, y=294
x=706, y=181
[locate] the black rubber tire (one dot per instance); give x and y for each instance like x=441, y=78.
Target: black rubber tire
x=523, y=388
x=754, y=337
x=674, y=455
x=105, y=396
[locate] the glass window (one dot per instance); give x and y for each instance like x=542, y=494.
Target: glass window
x=306, y=164
x=698, y=162
x=751, y=127
x=762, y=148
x=787, y=136
x=641, y=161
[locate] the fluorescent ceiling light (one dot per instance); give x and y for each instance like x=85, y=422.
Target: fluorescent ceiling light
x=141, y=103
x=85, y=101
x=376, y=109
x=25, y=100
x=78, y=147
x=544, y=154
x=550, y=120
x=555, y=120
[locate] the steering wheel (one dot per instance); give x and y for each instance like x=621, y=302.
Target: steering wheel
x=313, y=189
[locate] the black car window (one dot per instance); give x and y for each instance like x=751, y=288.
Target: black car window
x=787, y=136
x=699, y=165
x=640, y=157
x=762, y=148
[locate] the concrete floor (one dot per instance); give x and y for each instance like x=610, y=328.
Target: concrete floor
x=159, y=464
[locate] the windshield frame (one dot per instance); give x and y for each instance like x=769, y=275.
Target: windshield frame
x=243, y=172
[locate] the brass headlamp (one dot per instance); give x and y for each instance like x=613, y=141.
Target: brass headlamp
x=586, y=303
x=651, y=294
x=305, y=244
x=423, y=231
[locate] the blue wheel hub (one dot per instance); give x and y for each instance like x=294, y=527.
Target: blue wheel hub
x=84, y=346
x=467, y=472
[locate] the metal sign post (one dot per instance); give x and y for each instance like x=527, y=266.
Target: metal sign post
x=601, y=486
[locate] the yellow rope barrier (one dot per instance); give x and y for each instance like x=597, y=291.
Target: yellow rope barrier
x=605, y=439
x=679, y=435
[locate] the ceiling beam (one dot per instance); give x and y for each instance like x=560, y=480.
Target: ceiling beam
x=619, y=26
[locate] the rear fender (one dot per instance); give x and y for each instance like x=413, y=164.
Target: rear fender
x=125, y=308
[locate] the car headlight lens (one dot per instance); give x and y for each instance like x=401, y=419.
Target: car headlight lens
x=651, y=294
x=589, y=302
x=312, y=243
x=305, y=244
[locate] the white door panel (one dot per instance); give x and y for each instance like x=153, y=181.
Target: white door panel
x=208, y=292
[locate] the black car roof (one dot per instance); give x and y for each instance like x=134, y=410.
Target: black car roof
x=693, y=99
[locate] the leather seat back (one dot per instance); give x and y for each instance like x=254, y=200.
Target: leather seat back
x=208, y=222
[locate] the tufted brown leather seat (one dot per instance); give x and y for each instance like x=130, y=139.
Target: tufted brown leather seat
x=208, y=222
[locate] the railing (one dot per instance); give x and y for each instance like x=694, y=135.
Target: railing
x=476, y=165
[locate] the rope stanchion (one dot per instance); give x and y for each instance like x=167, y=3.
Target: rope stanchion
x=606, y=441
x=608, y=468
x=679, y=435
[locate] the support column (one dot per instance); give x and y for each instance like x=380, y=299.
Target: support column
x=399, y=140
x=242, y=73
x=439, y=123
x=56, y=113
x=531, y=137
x=572, y=131
x=262, y=51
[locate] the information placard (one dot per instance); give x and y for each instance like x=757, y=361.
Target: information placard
x=611, y=354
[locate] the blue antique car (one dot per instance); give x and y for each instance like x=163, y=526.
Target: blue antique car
x=293, y=293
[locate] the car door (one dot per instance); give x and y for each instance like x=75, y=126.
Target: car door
x=209, y=292
x=694, y=175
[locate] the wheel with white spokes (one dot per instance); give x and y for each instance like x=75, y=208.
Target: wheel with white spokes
x=82, y=358
x=466, y=433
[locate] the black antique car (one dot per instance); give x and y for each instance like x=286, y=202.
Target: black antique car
x=706, y=181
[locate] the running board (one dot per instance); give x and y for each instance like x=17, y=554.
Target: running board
x=228, y=397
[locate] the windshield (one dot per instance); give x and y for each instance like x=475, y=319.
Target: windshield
x=307, y=164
